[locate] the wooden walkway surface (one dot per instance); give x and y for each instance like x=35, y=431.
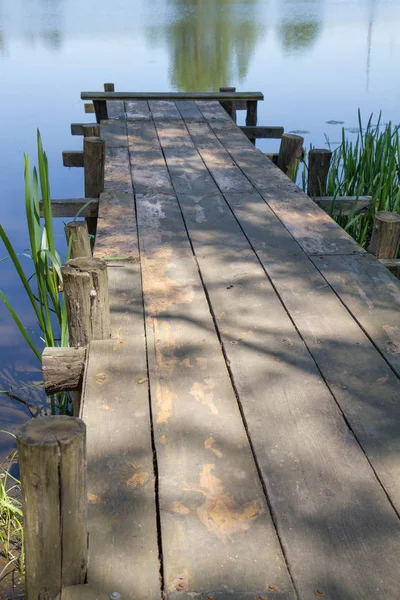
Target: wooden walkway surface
x=243, y=422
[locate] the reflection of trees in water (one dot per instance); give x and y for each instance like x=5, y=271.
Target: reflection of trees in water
x=301, y=24
x=211, y=41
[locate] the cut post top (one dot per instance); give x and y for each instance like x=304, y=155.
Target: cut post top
x=172, y=96
x=50, y=431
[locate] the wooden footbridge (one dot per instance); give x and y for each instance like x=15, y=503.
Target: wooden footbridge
x=243, y=420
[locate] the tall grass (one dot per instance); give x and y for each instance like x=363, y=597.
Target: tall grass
x=11, y=523
x=43, y=287
x=367, y=166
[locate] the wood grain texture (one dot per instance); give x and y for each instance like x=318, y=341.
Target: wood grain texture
x=212, y=110
x=72, y=158
x=217, y=534
x=121, y=494
x=164, y=109
x=189, y=111
x=69, y=207
x=319, y=161
x=93, y=158
x=205, y=96
x=114, y=133
x=77, y=238
x=385, y=239
x=372, y=295
x=323, y=491
x=62, y=369
x=138, y=110
x=362, y=383
x=52, y=460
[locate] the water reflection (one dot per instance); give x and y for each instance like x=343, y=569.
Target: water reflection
x=211, y=43
x=301, y=24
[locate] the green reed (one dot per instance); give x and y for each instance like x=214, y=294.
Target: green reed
x=43, y=287
x=367, y=166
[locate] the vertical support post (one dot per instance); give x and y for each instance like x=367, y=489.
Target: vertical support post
x=52, y=460
x=229, y=105
x=93, y=161
x=319, y=162
x=290, y=153
x=251, y=115
x=100, y=108
x=77, y=237
x=109, y=87
x=385, y=240
x=91, y=130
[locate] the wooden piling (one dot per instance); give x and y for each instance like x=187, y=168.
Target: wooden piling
x=229, y=105
x=385, y=240
x=77, y=236
x=290, y=153
x=251, y=115
x=93, y=158
x=91, y=130
x=52, y=461
x=85, y=284
x=109, y=87
x=319, y=161
x=62, y=369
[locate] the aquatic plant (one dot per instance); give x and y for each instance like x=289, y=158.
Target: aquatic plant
x=43, y=287
x=11, y=519
x=366, y=166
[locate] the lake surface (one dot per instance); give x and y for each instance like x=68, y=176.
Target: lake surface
x=315, y=60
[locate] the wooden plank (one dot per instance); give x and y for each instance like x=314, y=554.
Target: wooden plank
x=362, y=383
x=149, y=171
x=259, y=132
x=121, y=488
x=207, y=96
x=344, y=205
x=79, y=128
x=372, y=295
x=114, y=132
x=212, y=110
x=186, y=168
x=138, y=110
x=164, y=109
x=116, y=109
x=72, y=158
x=89, y=108
x=209, y=492
x=126, y=305
x=117, y=174
x=189, y=111
x=336, y=524
x=69, y=207
x=315, y=231
x=225, y=172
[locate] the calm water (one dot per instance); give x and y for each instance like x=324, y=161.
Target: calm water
x=315, y=60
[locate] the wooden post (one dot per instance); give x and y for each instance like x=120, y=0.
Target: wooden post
x=62, y=369
x=85, y=284
x=385, y=240
x=251, y=115
x=93, y=160
x=91, y=130
x=52, y=461
x=77, y=237
x=100, y=108
x=318, y=168
x=109, y=87
x=290, y=153
x=229, y=105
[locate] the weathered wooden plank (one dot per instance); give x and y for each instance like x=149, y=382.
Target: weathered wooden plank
x=372, y=295
x=212, y=110
x=116, y=109
x=189, y=111
x=69, y=207
x=264, y=131
x=121, y=490
x=116, y=236
x=164, y=109
x=207, y=96
x=117, y=174
x=79, y=128
x=186, y=168
x=333, y=517
x=114, y=132
x=89, y=108
x=360, y=380
x=72, y=158
x=227, y=175
x=126, y=305
x=138, y=110
x=315, y=231
x=344, y=205
x=217, y=534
